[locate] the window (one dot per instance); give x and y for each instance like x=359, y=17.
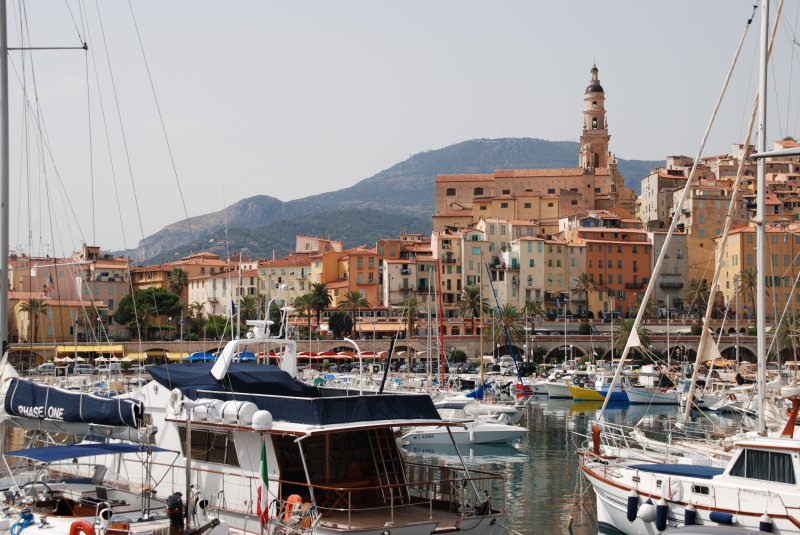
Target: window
x=549, y=205
x=451, y=192
x=483, y=207
x=506, y=192
x=503, y=205
x=526, y=205
x=532, y=263
x=476, y=250
x=619, y=264
x=211, y=446
x=551, y=191
x=491, y=230
x=477, y=191
x=765, y=465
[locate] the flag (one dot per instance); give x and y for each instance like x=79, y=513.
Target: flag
x=263, y=503
x=233, y=308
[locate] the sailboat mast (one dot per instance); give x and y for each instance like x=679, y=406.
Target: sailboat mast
x=4, y=176
x=761, y=234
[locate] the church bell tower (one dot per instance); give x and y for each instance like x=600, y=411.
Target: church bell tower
x=594, y=139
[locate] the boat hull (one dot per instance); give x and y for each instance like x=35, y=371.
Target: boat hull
x=558, y=391
x=647, y=396
x=580, y=393
x=486, y=434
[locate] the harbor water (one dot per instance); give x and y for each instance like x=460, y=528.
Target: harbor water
x=544, y=492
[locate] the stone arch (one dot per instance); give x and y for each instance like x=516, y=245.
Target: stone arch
x=455, y=331
x=558, y=352
x=745, y=353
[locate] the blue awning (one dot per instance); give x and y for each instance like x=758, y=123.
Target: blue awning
x=686, y=470
x=60, y=453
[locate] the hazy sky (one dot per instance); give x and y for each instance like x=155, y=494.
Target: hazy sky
x=298, y=97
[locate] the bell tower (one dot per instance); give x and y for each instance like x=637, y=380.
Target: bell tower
x=594, y=139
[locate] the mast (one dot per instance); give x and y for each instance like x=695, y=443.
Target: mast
x=761, y=229
x=4, y=177
x=480, y=306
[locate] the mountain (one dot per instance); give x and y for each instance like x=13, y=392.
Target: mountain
x=406, y=189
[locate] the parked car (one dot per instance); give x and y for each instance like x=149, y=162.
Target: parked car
x=138, y=368
x=81, y=369
x=111, y=367
x=419, y=368
x=48, y=368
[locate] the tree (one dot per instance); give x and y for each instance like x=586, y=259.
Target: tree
x=322, y=299
x=622, y=333
x=197, y=310
x=248, y=307
x=698, y=295
x=340, y=324
x=411, y=306
x=177, y=280
x=788, y=331
x=304, y=305
x=748, y=280
x=471, y=304
x=34, y=308
x=353, y=302
x=649, y=309
x=584, y=284
x=508, y=320
x=534, y=309
x=138, y=310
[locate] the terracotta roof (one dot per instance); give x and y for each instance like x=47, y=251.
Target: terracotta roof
x=522, y=173
x=464, y=178
x=454, y=213
x=337, y=284
x=112, y=264
x=144, y=269
x=291, y=260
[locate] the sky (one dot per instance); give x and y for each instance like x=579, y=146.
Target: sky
x=226, y=100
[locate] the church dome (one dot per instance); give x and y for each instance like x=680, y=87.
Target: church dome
x=594, y=88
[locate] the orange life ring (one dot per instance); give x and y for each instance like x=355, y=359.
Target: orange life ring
x=732, y=397
x=81, y=526
x=291, y=501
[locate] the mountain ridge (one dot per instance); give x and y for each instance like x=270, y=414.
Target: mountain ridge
x=405, y=188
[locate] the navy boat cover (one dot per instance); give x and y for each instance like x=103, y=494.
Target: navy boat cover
x=60, y=453
x=31, y=400
x=272, y=389
x=686, y=470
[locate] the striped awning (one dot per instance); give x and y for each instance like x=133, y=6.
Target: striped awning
x=91, y=348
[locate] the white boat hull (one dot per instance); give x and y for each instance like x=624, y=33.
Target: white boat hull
x=558, y=390
x=474, y=433
x=652, y=396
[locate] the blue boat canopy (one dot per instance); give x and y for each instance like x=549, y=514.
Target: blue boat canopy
x=272, y=389
x=686, y=470
x=61, y=453
x=31, y=400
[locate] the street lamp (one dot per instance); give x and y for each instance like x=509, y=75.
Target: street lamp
x=169, y=326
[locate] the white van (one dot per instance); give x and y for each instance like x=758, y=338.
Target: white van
x=48, y=368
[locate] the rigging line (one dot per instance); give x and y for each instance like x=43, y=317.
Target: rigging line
x=44, y=144
x=777, y=113
x=122, y=129
x=656, y=271
x=112, y=167
x=791, y=66
x=161, y=118
x=74, y=22
x=91, y=144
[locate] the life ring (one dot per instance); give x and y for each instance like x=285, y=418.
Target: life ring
x=81, y=526
x=291, y=501
x=732, y=397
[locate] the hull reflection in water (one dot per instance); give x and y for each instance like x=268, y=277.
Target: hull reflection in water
x=475, y=453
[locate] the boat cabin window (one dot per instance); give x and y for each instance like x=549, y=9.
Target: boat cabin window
x=211, y=446
x=765, y=465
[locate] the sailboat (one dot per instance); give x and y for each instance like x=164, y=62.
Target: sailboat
x=757, y=489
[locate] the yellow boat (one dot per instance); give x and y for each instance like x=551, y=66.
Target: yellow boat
x=580, y=393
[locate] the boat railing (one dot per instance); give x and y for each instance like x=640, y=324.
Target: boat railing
x=431, y=487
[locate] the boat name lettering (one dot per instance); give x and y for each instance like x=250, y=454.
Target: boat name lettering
x=54, y=413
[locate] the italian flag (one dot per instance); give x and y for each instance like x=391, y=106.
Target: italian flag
x=263, y=488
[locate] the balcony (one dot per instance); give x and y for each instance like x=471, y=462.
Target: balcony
x=670, y=285
x=448, y=260
x=634, y=285
x=405, y=271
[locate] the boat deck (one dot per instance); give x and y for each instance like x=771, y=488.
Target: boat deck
x=405, y=515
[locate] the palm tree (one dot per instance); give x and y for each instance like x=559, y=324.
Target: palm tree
x=177, y=280
x=197, y=309
x=534, y=309
x=584, y=284
x=322, y=299
x=353, y=302
x=748, y=280
x=249, y=307
x=470, y=303
x=411, y=306
x=788, y=331
x=34, y=308
x=698, y=294
x=649, y=309
x=622, y=333
x=508, y=320
x=305, y=306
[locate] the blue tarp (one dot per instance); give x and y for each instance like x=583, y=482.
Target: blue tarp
x=32, y=400
x=200, y=356
x=60, y=453
x=245, y=356
x=686, y=470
